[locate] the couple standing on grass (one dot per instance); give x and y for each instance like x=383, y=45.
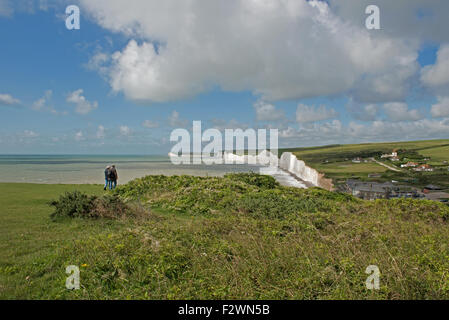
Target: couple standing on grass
x=111, y=177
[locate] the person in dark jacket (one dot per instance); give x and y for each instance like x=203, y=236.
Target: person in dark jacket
x=113, y=177
x=106, y=177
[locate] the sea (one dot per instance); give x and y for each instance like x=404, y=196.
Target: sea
x=89, y=169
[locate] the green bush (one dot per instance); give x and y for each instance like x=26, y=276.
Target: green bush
x=72, y=205
x=79, y=205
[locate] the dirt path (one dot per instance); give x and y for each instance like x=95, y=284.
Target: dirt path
x=386, y=165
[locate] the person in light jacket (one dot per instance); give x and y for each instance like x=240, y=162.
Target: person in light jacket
x=106, y=177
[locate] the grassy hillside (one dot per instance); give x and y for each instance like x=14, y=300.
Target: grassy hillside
x=336, y=161
x=349, y=150
x=238, y=237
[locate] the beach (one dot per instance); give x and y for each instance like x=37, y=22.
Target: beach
x=89, y=169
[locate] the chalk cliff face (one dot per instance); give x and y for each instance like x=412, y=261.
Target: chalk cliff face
x=287, y=162
x=297, y=167
x=290, y=163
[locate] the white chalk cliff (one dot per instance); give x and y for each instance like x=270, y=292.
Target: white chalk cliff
x=289, y=163
x=282, y=169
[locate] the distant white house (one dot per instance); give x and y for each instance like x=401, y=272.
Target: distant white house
x=393, y=156
x=409, y=165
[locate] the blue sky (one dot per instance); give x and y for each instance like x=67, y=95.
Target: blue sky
x=55, y=98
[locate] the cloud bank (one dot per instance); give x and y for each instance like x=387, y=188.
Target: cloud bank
x=276, y=49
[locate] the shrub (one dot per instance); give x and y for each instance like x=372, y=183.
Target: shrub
x=111, y=206
x=79, y=205
x=72, y=205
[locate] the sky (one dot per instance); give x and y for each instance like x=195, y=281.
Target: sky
x=138, y=69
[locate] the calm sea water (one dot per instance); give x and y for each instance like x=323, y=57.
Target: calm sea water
x=90, y=169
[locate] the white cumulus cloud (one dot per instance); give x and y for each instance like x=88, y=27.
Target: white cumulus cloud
x=83, y=106
x=8, y=100
x=398, y=111
x=277, y=49
x=333, y=132
x=437, y=75
x=440, y=109
x=305, y=114
x=267, y=112
x=42, y=102
x=125, y=131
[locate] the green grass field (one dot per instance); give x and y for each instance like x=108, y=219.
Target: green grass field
x=349, y=167
x=438, y=154
x=27, y=234
x=334, y=161
x=238, y=237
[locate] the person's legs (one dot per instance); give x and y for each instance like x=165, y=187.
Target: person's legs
x=110, y=184
x=115, y=184
x=106, y=183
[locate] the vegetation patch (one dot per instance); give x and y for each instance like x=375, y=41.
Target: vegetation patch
x=237, y=237
x=248, y=193
x=76, y=204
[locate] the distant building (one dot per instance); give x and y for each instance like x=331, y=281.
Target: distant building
x=407, y=194
x=376, y=190
x=357, y=160
x=409, y=165
x=393, y=156
x=424, y=168
x=369, y=190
